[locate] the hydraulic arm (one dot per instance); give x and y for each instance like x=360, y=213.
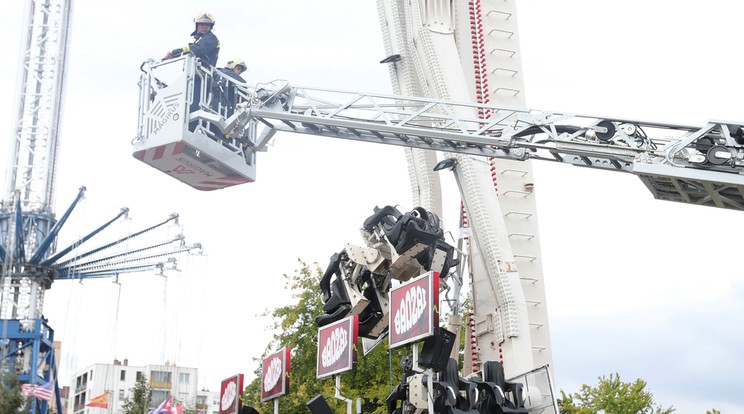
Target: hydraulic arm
x=684, y=163
x=699, y=165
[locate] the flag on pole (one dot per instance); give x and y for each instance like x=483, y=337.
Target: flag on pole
x=165, y=407
x=42, y=392
x=177, y=409
x=28, y=389
x=101, y=401
x=45, y=391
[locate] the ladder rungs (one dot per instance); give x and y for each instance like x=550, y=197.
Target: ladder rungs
x=511, y=170
x=508, y=33
x=505, y=15
x=518, y=213
x=508, y=52
x=512, y=72
x=505, y=91
x=524, y=194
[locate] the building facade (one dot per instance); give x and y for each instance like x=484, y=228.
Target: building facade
x=119, y=380
x=208, y=402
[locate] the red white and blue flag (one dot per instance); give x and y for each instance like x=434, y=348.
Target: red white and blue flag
x=42, y=392
x=168, y=407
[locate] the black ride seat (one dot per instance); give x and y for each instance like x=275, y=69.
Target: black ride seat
x=499, y=395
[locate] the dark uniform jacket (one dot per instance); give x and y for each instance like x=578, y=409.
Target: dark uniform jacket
x=231, y=73
x=226, y=91
x=205, y=47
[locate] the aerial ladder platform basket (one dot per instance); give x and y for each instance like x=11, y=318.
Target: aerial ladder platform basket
x=181, y=122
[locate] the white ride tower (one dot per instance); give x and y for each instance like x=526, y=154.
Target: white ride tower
x=34, y=145
x=469, y=52
x=26, y=212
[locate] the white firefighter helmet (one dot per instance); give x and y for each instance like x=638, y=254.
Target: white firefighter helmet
x=232, y=64
x=204, y=17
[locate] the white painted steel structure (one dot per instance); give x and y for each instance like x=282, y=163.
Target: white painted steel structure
x=26, y=212
x=469, y=52
x=39, y=96
x=34, y=145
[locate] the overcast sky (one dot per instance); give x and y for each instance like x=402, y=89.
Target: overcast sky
x=645, y=288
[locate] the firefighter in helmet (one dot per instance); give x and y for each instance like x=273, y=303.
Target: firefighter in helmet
x=234, y=68
x=225, y=87
x=206, y=46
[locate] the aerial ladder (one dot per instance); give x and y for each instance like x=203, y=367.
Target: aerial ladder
x=217, y=145
x=700, y=165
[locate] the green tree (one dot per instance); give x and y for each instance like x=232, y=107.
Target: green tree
x=613, y=396
x=295, y=327
x=189, y=409
x=11, y=399
x=139, y=398
x=713, y=411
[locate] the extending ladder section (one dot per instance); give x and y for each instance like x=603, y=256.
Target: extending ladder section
x=689, y=164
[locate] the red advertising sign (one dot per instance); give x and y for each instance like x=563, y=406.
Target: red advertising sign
x=414, y=310
x=275, y=378
x=230, y=395
x=337, y=347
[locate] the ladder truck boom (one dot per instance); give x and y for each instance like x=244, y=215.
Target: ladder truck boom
x=215, y=146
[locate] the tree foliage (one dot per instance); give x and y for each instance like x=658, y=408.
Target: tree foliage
x=11, y=399
x=189, y=409
x=611, y=395
x=295, y=328
x=139, y=398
